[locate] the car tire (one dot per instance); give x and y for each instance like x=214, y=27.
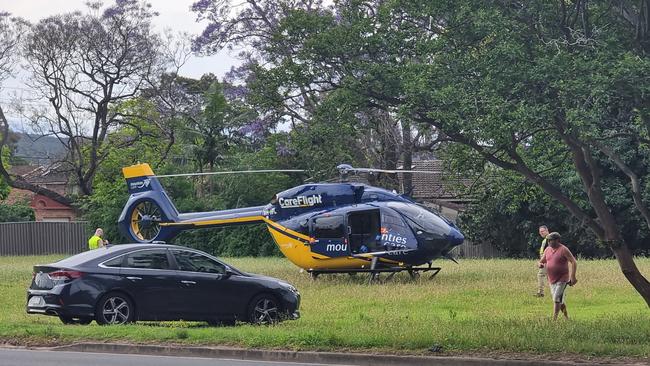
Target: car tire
x=264, y=309
x=114, y=308
x=70, y=320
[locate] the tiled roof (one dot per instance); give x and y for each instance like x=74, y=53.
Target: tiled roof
x=22, y=169
x=437, y=185
x=41, y=174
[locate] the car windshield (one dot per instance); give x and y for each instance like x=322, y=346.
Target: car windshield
x=421, y=217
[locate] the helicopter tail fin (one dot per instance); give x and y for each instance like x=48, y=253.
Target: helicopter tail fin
x=139, y=178
x=147, y=208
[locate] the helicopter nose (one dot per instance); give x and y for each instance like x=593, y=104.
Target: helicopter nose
x=455, y=237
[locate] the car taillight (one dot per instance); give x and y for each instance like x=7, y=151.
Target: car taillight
x=65, y=275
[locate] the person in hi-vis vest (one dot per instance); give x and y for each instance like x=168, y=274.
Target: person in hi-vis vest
x=96, y=240
x=541, y=272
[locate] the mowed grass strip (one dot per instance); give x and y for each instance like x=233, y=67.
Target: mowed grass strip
x=478, y=306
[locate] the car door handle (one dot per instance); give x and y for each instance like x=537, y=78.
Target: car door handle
x=188, y=282
x=131, y=278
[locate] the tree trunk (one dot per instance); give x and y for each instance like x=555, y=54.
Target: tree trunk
x=407, y=157
x=630, y=270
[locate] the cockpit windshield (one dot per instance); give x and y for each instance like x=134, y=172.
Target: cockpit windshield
x=421, y=217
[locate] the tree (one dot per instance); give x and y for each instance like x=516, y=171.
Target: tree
x=258, y=26
x=11, y=31
x=84, y=65
x=504, y=79
x=146, y=143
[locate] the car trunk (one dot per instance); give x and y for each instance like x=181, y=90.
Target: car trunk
x=45, y=277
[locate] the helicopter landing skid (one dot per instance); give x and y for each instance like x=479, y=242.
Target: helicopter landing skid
x=414, y=272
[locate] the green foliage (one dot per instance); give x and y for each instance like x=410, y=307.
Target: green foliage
x=16, y=212
x=508, y=212
x=525, y=88
x=506, y=84
x=103, y=207
x=235, y=191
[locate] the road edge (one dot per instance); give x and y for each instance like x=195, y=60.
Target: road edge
x=361, y=359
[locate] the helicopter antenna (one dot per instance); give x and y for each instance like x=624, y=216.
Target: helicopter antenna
x=233, y=172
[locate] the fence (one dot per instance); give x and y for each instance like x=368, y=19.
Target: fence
x=38, y=238
x=470, y=250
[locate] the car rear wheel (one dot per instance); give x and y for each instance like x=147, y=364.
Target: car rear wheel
x=264, y=309
x=71, y=320
x=115, y=308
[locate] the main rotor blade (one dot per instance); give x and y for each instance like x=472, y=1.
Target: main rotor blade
x=371, y=170
x=233, y=172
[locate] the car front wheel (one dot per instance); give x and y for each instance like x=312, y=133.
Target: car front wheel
x=114, y=308
x=264, y=309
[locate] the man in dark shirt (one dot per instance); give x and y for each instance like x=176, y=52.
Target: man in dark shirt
x=556, y=259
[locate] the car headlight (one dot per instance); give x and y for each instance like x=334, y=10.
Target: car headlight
x=290, y=288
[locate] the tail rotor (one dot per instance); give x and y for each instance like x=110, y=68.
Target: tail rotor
x=146, y=218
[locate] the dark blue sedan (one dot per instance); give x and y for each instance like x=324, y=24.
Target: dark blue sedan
x=125, y=283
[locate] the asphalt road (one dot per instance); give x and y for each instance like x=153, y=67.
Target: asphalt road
x=24, y=357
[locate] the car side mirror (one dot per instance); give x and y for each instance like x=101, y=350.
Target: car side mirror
x=228, y=273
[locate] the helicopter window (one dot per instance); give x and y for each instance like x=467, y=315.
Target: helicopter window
x=393, y=219
x=421, y=217
x=329, y=227
x=431, y=209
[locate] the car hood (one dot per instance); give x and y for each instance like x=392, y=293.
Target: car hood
x=268, y=279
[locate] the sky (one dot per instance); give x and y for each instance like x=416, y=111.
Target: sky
x=174, y=14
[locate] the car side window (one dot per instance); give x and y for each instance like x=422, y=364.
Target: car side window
x=115, y=262
x=195, y=262
x=147, y=259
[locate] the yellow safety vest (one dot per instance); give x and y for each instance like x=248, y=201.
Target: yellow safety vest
x=93, y=242
x=541, y=249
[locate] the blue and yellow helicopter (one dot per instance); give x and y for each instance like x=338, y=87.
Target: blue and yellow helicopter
x=321, y=227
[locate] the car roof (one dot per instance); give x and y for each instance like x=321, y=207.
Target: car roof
x=91, y=255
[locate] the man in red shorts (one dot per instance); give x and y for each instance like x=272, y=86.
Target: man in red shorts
x=556, y=259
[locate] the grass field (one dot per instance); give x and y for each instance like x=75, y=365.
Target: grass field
x=477, y=307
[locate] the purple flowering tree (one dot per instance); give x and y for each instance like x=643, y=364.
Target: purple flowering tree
x=252, y=27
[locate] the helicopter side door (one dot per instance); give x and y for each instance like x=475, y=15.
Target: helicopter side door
x=364, y=231
x=329, y=232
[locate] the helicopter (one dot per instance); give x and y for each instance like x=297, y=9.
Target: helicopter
x=342, y=227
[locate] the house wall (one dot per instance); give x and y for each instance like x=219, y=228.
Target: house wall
x=46, y=209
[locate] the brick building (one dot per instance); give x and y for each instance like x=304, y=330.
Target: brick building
x=45, y=208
